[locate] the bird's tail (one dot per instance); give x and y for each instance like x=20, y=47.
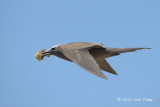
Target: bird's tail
x=117, y=51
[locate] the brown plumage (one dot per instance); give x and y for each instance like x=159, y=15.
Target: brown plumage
x=89, y=56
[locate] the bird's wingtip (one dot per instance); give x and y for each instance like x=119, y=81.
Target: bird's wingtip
x=105, y=78
x=116, y=74
x=147, y=48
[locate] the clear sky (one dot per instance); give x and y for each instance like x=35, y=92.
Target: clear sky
x=27, y=26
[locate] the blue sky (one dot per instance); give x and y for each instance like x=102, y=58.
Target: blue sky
x=27, y=26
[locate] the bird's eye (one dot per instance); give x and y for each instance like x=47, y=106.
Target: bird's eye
x=53, y=49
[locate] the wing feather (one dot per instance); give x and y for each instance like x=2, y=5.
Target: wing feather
x=83, y=58
x=104, y=65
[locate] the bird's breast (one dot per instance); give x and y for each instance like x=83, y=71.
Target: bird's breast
x=61, y=55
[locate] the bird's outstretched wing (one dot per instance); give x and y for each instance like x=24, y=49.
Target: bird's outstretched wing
x=83, y=45
x=104, y=65
x=83, y=58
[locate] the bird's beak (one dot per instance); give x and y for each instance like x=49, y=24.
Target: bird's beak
x=48, y=52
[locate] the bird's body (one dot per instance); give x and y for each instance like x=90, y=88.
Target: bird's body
x=89, y=56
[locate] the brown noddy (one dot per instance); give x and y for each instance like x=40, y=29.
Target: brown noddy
x=89, y=56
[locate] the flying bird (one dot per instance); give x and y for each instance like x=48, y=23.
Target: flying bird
x=89, y=56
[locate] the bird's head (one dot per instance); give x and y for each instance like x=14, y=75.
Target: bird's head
x=50, y=51
x=42, y=53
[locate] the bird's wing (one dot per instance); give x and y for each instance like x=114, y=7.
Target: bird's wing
x=83, y=58
x=82, y=45
x=104, y=65
x=122, y=50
